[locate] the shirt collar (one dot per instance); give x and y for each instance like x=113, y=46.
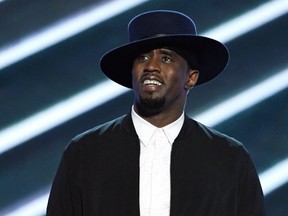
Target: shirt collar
x=145, y=130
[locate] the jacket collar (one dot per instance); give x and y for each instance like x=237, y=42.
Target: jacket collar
x=189, y=126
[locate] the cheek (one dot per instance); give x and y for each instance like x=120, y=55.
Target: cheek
x=134, y=73
x=178, y=79
x=136, y=69
x=135, y=77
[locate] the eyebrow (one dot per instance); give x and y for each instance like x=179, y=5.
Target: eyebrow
x=168, y=51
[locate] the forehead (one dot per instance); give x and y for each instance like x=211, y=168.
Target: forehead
x=164, y=50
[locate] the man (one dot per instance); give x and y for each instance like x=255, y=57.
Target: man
x=156, y=160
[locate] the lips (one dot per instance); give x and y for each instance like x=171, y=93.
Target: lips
x=151, y=81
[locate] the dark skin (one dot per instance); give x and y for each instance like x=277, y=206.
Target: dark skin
x=161, y=81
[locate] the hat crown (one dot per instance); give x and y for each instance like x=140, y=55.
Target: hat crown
x=159, y=23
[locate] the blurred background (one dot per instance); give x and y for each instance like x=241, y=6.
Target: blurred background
x=51, y=86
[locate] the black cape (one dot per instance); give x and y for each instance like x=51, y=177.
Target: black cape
x=211, y=174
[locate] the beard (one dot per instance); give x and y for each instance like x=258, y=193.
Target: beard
x=150, y=106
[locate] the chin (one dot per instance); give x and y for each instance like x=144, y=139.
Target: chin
x=150, y=106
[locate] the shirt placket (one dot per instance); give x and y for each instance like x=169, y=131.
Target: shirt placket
x=160, y=176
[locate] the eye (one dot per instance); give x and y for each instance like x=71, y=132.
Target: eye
x=142, y=57
x=167, y=59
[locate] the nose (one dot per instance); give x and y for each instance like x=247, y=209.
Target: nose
x=152, y=65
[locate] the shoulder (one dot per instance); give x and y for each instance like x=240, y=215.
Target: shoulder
x=100, y=130
x=216, y=135
x=111, y=141
x=216, y=147
x=212, y=138
x=104, y=133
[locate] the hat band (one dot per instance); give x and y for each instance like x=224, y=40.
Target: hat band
x=148, y=36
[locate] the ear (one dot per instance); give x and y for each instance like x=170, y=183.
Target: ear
x=192, y=78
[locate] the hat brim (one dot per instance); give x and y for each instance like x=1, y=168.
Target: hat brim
x=212, y=56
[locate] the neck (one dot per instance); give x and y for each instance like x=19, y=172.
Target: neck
x=159, y=118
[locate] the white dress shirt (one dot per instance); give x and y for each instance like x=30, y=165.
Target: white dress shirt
x=155, y=151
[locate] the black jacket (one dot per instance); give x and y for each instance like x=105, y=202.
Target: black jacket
x=211, y=174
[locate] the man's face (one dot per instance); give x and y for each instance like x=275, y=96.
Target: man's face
x=160, y=79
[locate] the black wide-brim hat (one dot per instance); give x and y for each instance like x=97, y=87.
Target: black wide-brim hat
x=165, y=28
